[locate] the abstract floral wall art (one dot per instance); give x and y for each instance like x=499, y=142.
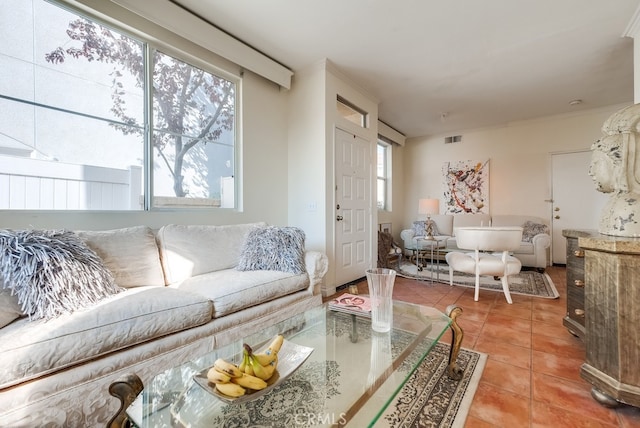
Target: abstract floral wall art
x=466, y=187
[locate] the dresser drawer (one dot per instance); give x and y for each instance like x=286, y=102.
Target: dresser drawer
x=575, y=256
x=575, y=318
x=575, y=310
x=576, y=294
x=575, y=280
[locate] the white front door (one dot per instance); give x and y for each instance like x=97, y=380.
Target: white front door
x=353, y=206
x=576, y=202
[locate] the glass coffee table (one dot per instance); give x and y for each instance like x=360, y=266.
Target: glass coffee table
x=351, y=376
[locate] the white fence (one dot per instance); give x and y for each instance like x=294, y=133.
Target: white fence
x=32, y=184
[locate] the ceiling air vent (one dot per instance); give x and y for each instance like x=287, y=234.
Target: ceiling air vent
x=453, y=139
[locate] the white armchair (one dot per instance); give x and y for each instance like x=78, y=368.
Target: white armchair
x=482, y=241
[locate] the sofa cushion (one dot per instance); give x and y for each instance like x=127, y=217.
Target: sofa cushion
x=32, y=349
x=500, y=220
x=231, y=290
x=273, y=248
x=192, y=250
x=444, y=223
x=470, y=220
x=131, y=254
x=9, y=306
x=531, y=225
x=524, y=248
x=52, y=272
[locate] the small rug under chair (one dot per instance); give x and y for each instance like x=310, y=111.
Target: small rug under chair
x=527, y=282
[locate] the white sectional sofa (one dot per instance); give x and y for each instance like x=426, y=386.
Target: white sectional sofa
x=183, y=296
x=533, y=252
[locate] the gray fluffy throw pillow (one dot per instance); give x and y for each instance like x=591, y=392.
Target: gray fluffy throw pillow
x=52, y=272
x=274, y=248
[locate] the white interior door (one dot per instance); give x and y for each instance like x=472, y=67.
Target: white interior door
x=576, y=202
x=353, y=207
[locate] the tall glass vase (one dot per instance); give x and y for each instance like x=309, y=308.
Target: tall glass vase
x=380, y=283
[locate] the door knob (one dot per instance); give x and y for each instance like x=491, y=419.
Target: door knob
x=557, y=217
x=339, y=218
x=556, y=209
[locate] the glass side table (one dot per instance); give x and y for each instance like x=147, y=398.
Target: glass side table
x=428, y=251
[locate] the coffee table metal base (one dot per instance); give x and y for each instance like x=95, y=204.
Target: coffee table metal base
x=126, y=389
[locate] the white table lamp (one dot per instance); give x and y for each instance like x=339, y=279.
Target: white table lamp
x=429, y=207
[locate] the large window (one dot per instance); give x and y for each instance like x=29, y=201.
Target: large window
x=384, y=175
x=95, y=119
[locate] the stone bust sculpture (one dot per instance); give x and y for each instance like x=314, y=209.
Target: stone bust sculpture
x=615, y=169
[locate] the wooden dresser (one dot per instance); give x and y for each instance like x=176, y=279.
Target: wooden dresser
x=575, y=318
x=612, y=316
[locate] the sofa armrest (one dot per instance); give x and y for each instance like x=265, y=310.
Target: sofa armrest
x=541, y=240
x=407, y=240
x=540, y=243
x=317, y=264
x=407, y=234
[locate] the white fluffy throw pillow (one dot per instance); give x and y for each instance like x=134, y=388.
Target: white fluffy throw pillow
x=52, y=272
x=274, y=248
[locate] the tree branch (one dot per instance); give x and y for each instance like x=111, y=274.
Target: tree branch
x=207, y=128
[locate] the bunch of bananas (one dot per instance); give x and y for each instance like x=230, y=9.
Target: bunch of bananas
x=252, y=374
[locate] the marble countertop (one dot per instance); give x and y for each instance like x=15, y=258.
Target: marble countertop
x=593, y=240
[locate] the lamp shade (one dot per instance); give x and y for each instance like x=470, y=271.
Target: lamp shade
x=429, y=206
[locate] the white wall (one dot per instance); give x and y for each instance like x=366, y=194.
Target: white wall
x=307, y=203
x=519, y=153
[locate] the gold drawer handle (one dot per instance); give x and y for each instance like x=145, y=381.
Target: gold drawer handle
x=578, y=253
x=579, y=283
x=579, y=312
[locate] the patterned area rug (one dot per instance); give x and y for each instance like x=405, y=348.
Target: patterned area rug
x=527, y=282
x=430, y=398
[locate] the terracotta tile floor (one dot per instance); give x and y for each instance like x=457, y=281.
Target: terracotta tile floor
x=532, y=376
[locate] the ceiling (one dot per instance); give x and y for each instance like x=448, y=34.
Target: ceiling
x=439, y=66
